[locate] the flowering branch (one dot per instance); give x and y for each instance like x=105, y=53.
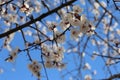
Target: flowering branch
x=36, y=19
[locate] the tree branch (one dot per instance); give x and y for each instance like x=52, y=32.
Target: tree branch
x=6, y=3
x=114, y=77
x=36, y=19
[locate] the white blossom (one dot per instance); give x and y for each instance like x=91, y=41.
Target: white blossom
x=85, y=27
x=1, y=70
x=12, y=8
x=7, y=23
x=83, y=19
x=49, y=64
x=44, y=48
x=13, y=55
x=77, y=9
x=37, y=6
x=59, y=37
x=51, y=25
x=74, y=33
x=68, y=17
x=57, y=57
x=28, y=32
x=10, y=38
x=75, y=22
x=88, y=77
x=87, y=66
x=94, y=72
x=61, y=66
x=62, y=12
x=109, y=62
x=83, y=54
x=64, y=24
x=82, y=2
x=35, y=67
x=60, y=50
x=96, y=5
x=103, y=4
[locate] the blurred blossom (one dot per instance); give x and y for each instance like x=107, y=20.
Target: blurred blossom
x=2, y=2
x=75, y=22
x=51, y=25
x=28, y=32
x=35, y=67
x=83, y=54
x=69, y=50
x=83, y=18
x=94, y=55
x=88, y=77
x=84, y=28
x=74, y=33
x=83, y=2
x=44, y=30
x=39, y=25
x=93, y=42
x=64, y=24
x=109, y=62
x=70, y=78
x=94, y=72
x=12, y=8
x=74, y=49
x=62, y=12
x=60, y=38
x=87, y=66
x=13, y=69
x=57, y=17
x=56, y=2
x=8, y=40
x=22, y=19
x=115, y=25
x=44, y=48
x=1, y=70
x=7, y=23
x=60, y=50
x=118, y=31
x=13, y=55
x=38, y=6
x=61, y=66
x=8, y=47
x=77, y=9
x=96, y=5
x=49, y=64
x=103, y=4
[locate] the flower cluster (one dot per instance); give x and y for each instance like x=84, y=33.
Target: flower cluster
x=10, y=12
x=35, y=67
x=78, y=21
x=73, y=21
x=28, y=8
x=53, y=57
